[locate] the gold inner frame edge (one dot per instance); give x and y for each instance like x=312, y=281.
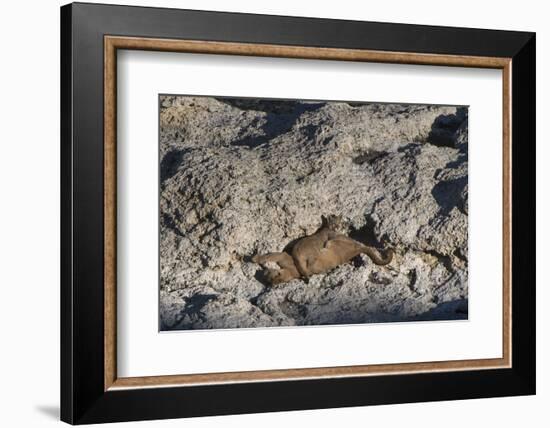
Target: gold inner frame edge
x=113, y=43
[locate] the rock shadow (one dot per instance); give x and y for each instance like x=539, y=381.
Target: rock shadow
x=193, y=310
x=444, y=130
x=171, y=162
x=369, y=157
x=365, y=234
x=448, y=195
x=261, y=277
x=452, y=310
x=169, y=223
x=280, y=117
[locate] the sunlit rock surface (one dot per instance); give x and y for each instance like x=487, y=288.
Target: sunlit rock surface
x=240, y=177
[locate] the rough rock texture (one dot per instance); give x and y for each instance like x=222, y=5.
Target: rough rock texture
x=241, y=177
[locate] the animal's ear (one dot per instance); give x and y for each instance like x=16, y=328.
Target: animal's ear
x=331, y=221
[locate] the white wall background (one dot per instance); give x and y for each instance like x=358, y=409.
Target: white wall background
x=29, y=215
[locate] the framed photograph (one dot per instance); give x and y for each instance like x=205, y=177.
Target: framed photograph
x=266, y=213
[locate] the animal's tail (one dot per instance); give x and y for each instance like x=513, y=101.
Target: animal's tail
x=376, y=257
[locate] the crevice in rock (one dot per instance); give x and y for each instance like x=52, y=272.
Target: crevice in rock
x=462, y=158
x=261, y=277
x=377, y=278
x=306, y=176
x=369, y=157
x=355, y=104
x=409, y=148
x=271, y=106
x=413, y=277
x=294, y=310
x=446, y=261
x=458, y=254
x=169, y=223
x=365, y=234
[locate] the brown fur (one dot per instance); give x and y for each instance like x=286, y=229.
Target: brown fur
x=321, y=252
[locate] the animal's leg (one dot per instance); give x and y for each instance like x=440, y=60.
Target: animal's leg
x=269, y=257
x=301, y=265
x=340, y=250
x=286, y=264
x=284, y=260
x=347, y=248
x=287, y=269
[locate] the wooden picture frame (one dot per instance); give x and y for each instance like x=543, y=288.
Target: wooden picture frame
x=91, y=390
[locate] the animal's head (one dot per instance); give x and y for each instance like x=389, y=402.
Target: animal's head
x=274, y=277
x=333, y=222
x=278, y=276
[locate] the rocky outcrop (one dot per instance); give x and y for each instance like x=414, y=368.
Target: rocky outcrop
x=241, y=177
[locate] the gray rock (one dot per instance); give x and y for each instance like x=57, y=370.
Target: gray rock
x=240, y=177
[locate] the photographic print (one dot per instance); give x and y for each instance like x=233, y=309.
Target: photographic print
x=284, y=212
